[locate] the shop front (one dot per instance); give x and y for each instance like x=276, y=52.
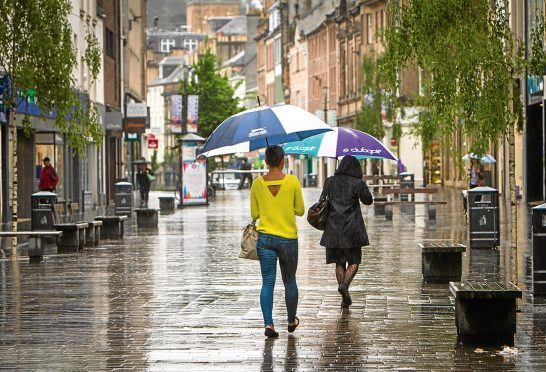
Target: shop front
x=51, y=145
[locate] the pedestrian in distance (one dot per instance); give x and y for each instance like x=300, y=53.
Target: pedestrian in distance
x=48, y=177
x=245, y=166
x=275, y=201
x=474, y=174
x=345, y=233
x=144, y=177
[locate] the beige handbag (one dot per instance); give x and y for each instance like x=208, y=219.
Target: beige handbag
x=248, y=242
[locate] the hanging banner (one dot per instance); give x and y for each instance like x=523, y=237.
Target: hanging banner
x=176, y=113
x=194, y=182
x=193, y=113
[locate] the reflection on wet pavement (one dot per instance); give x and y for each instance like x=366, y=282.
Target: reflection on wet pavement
x=178, y=298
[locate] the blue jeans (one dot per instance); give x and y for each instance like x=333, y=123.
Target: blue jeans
x=270, y=248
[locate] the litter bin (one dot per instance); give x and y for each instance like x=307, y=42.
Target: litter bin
x=312, y=180
x=483, y=217
x=123, y=198
x=407, y=181
x=42, y=206
x=539, y=249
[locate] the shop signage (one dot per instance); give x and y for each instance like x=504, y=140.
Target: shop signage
x=134, y=125
x=136, y=110
x=153, y=143
x=132, y=137
x=113, y=120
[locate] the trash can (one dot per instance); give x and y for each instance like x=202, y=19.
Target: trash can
x=123, y=198
x=41, y=217
x=407, y=181
x=312, y=180
x=483, y=217
x=539, y=249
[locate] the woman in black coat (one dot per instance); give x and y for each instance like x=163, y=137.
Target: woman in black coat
x=345, y=234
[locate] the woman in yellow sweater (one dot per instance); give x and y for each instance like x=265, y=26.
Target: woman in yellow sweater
x=276, y=200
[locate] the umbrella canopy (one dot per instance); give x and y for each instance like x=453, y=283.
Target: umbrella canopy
x=261, y=127
x=483, y=159
x=341, y=142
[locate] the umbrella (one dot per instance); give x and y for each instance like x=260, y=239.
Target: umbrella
x=483, y=159
x=260, y=127
x=341, y=142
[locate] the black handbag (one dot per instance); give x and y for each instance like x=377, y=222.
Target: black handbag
x=317, y=215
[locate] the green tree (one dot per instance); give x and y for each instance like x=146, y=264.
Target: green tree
x=472, y=61
x=38, y=58
x=369, y=119
x=217, y=99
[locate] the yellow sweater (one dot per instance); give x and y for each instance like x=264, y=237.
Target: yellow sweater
x=277, y=214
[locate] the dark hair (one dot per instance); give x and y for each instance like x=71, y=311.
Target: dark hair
x=274, y=155
x=349, y=166
x=46, y=159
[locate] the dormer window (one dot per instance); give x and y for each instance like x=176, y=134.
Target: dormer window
x=274, y=18
x=190, y=44
x=166, y=45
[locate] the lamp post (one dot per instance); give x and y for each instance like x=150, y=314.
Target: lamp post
x=184, y=120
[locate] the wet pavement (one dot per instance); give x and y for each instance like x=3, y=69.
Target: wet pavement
x=178, y=298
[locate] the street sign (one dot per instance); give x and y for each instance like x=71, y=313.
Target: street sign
x=153, y=143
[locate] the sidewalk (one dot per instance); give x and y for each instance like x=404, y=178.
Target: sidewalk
x=178, y=298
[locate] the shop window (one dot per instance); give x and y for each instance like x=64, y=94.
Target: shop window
x=52, y=146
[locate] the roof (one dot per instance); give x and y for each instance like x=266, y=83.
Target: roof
x=173, y=61
x=236, y=60
x=237, y=26
x=316, y=18
x=173, y=77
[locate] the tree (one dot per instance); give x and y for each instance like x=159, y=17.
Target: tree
x=370, y=117
x=38, y=57
x=472, y=64
x=217, y=99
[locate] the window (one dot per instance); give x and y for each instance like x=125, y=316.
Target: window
x=190, y=44
x=166, y=45
x=110, y=43
x=277, y=51
x=369, y=34
x=274, y=19
x=382, y=25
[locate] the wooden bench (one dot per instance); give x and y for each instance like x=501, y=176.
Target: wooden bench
x=431, y=204
x=92, y=232
x=73, y=232
x=112, y=226
x=35, y=241
x=441, y=262
x=146, y=217
x=166, y=203
x=485, y=311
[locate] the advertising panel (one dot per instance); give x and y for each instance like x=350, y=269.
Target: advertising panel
x=176, y=113
x=194, y=181
x=193, y=113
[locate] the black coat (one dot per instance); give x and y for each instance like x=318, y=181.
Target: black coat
x=345, y=226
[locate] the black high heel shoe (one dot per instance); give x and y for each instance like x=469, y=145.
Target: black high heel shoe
x=271, y=333
x=344, y=292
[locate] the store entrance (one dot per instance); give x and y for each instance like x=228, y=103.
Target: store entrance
x=534, y=154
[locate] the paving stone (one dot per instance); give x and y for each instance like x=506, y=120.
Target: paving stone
x=178, y=298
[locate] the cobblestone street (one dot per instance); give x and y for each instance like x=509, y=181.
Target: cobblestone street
x=178, y=298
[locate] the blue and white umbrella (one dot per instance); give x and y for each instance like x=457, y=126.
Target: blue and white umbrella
x=263, y=126
x=341, y=142
x=483, y=159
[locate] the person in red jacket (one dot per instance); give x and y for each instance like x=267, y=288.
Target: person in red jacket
x=48, y=177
